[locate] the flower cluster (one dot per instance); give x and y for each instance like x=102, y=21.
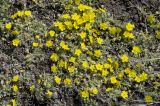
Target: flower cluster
x=78, y=39
x=19, y=14
x=88, y=53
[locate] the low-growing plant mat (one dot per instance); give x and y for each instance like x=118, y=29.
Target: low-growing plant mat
x=82, y=52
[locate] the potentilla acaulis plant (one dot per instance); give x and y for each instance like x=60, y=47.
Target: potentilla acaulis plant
x=90, y=54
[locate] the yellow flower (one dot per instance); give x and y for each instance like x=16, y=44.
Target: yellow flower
x=111, y=69
x=105, y=72
x=132, y=74
x=158, y=25
x=77, y=2
x=90, y=53
x=54, y=57
x=27, y=13
x=136, y=50
x=53, y=68
x=124, y=58
x=103, y=26
x=15, y=32
x=88, y=26
x=94, y=35
x=143, y=76
x=85, y=64
x=82, y=35
x=35, y=44
x=92, y=68
x=65, y=16
x=49, y=43
x=121, y=74
x=49, y=93
x=118, y=30
x=31, y=87
x=14, y=102
x=13, y=16
x=57, y=79
x=60, y=25
x=72, y=59
x=20, y=13
x=109, y=89
x=64, y=45
x=78, y=52
x=15, y=88
x=85, y=17
x=128, y=35
x=38, y=81
x=91, y=16
x=127, y=70
x=75, y=16
x=37, y=36
x=109, y=59
x=113, y=80
x=112, y=30
x=150, y=18
x=67, y=81
x=99, y=67
x=15, y=42
x=52, y=33
x=80, y=21
x=116, y=65
x=56, y=23
x=102, y=10
x=107, y=66
x=99, y=41
x=61, y=63
x=75, y=25
x=148, y=98
x=137, y=79
x=71, y=69
x=84, y=94
x=97, y=53
x=95, y=31
x=83, y=7
x=8, y=26
x=158, y=34
x=129, y=26
x=68, y=24
x=83, y=46
x=94, y=90
x=77, y=81
x=124, y=94
x=15, y=78
x=91, y=39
